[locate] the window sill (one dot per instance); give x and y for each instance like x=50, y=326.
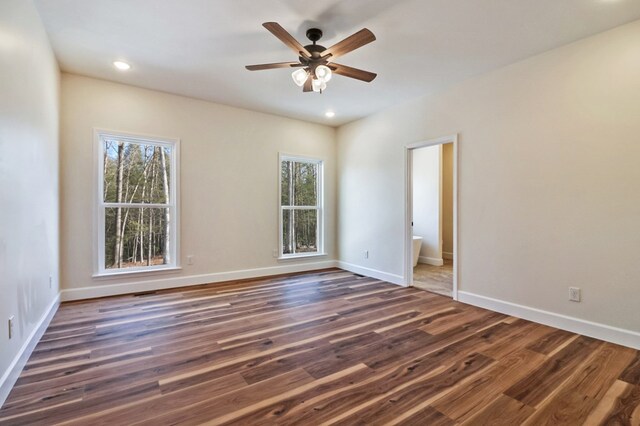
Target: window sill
x=141, y=272
x=301, y=256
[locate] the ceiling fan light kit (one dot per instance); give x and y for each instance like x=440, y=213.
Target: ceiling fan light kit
x=315, y=62
x=323, y=73
x=300, y=76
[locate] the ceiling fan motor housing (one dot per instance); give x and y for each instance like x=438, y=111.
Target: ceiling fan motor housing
x=316, y=52
x=314, y=34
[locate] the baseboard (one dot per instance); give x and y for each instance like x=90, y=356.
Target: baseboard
x=447, y=255
x=189, y=280
x=373, y=273
x=10, y=376
x=604, y=332
x=430, y=261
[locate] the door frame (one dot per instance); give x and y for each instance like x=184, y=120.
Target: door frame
x=408, y=184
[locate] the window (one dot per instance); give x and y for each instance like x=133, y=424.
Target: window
x=137, y=209
x=300, y=207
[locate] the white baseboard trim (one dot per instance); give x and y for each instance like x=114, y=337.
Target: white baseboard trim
x=10, y=376
x=430, y=261
x=605, y=332
x=373, y=273
x=447, y=255
x=106, y=289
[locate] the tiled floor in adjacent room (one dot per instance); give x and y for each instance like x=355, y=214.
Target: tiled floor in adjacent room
x=436, y=279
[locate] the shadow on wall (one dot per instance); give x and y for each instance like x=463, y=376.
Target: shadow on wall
x=33, y=278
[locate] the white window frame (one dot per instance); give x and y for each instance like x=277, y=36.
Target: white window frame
x=319, y=207
x=100, y=205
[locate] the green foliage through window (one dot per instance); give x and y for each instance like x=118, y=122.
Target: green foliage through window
x=300, y=202
x=136, y=188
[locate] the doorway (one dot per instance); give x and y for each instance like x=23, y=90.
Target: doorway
x=431, y=216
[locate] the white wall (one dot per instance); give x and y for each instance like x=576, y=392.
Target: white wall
x=549, y=179
x=229, y=181
x=29, y=89
x=427, y=199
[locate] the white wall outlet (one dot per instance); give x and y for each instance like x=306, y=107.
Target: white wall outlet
x=11, y=330
x=274, y=253
x=574, y=294
x=50, y=281
x=366, y=254
x=190, y=259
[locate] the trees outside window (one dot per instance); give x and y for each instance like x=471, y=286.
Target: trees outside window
x=137, y=214
x=300, y=206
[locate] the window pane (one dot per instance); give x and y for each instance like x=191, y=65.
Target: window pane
x=136, y=237
x=287, y=225
x=285, y=183
x=306, y=230
x=305, y=184
x=136, y=173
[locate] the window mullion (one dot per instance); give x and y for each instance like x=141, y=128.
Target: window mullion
x=136, y=205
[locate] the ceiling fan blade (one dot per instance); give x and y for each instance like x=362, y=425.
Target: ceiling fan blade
x=286, y=38
x=354, y=41
x=308, y=85
x=352, y=72
x=272, y=66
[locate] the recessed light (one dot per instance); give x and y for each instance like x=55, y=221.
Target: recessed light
x=121, y=65
x=329, y=114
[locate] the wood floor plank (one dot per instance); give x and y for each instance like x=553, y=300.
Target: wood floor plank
x=232, y=402
x=550, y=342
x=322, y=347
x=428, y=416
x=503, y=411
x=147, y=408
x=534, y=388
x=632, y=373
x=619, y=406
x=398, y=405
x=464, y=401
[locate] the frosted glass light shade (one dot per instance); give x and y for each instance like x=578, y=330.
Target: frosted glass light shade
x=300, y=76
x=318, y=85
x=323, y=73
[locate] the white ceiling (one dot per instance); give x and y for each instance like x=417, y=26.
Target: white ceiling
x=198, y=48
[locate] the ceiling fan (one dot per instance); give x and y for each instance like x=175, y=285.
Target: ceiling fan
x=315, y=62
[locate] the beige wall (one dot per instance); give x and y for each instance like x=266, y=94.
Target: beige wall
x=29, y=88
x=549, y=179
x=447, y=200
x=228, y=178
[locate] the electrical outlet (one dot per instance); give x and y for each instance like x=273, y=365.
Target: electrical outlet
x=190, y=259
x=274, y=253
x=11, y=331
x=50, y=281
x=366, y=254
x=574, y=294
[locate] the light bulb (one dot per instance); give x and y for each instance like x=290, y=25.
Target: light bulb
x=323, y=73
x=318, y=85
x=300, y=76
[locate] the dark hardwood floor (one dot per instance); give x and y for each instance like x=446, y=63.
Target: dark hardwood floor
x=319, y=348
